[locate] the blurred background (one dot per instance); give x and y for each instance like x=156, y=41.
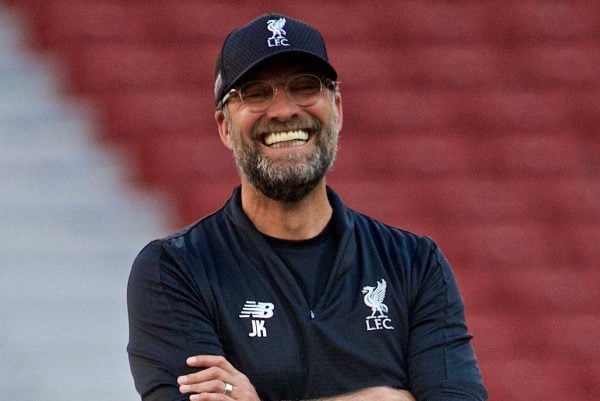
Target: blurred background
x=474, y=122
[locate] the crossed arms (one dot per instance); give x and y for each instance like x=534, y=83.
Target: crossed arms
x=209, y=384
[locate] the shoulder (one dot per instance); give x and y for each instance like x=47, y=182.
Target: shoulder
x=387, y=235
x=377, y=238
x=180, y=247
x=196, y=234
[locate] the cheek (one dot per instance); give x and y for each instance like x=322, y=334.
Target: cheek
x=246, y=124
x=327, y=110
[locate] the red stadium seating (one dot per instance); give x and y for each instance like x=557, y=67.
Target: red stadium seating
x=372, y=67
x=580, y=244
x=130, y=117
x=562, y=65
x=506, y=110
x=551, y=21
x=481, y=200
x=464, y=66
x=172, y=161
x=191, y=61
x=59, y=24
x=501, y=245
x=443, y=21
x=122, y=68
x=199, y=199
x=193, y=21
x=474, y=122
x=526, y=155
x=420, y=156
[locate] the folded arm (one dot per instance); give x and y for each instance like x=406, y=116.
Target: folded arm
x=210, y=384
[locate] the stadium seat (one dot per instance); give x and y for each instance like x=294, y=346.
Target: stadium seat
x=354, y=24
x=119, y=68
x=590, y=141
x=192, y=67
x=61, y=23
x=523, y=154
x=581, y=244
x=494, y=246
x=444, y=21
x=508, y=335
x=131, y=117
x=481, y=200
x=527, y=292
x=378, y=111
x=524, y=110
x=573, y=199
x=565, y=290
x=554, y=21
x=422, y=156
x=173, y=161
x=365, y=66
x=585, y=117
x=528, y=378
x=396, y=203
x=460, y=66
x=185, y=22
x=197, y=200
x=562, y=65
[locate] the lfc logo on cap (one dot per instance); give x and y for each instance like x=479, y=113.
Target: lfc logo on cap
x=278, y=38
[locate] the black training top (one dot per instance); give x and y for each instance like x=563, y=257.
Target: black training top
x=389, y=313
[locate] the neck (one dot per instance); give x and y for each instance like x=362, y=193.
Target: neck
x=300, y=220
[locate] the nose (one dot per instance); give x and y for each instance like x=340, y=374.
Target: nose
x=282, y=107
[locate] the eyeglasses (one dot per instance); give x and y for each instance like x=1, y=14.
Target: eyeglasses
x=257, y=95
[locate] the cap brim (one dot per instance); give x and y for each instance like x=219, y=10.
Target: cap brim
x=319, y=62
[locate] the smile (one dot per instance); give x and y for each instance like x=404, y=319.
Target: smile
x=286, y=138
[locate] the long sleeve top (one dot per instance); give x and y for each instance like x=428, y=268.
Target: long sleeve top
x=390, y=313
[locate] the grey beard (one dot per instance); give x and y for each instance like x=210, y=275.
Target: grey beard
x=287, y=180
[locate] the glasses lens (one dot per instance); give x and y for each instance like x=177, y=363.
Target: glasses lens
x=256, y=92
x=303, y=88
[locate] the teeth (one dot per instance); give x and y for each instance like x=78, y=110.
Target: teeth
x=287, y=144
x=277, y=137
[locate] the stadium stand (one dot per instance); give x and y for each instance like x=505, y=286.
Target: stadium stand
x=474, y=122
x=70, y=229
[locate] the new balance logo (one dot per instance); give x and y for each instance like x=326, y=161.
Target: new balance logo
x=257, y=311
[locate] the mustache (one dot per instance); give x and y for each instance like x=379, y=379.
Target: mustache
x=297, y=122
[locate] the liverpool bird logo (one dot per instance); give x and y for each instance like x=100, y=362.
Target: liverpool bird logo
x=374, y=297
x=276, y=26
x=278, y=38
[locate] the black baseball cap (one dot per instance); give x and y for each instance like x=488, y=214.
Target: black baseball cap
x=268, y=36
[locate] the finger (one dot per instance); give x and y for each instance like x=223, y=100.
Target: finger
x=406, y=395
x=199, y=361
x=212, y=373
x=209, y=397
x=212, y=386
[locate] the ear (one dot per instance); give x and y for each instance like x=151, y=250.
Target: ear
x=339, y=111
x=223, y=127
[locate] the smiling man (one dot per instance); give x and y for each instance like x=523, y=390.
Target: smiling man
x=282, y=148
x=285, y=293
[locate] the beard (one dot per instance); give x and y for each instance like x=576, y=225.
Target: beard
x=290, y=177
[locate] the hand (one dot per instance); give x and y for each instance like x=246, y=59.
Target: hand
x=209, y=383
x=375, y=394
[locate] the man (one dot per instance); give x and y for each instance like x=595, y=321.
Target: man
x=286, y=294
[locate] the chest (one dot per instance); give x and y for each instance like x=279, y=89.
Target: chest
x=289, y=347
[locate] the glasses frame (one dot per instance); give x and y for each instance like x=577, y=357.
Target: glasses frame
x=236, y=92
